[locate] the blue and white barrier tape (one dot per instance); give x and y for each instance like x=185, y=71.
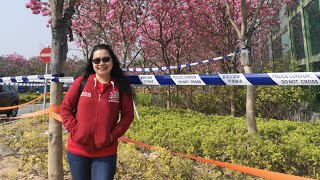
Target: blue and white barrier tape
x=27, y=84
x=36, y=79
x=293, y=79
x=179, y=66
x=22, y=84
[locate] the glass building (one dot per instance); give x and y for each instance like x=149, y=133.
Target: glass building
x=298, y=35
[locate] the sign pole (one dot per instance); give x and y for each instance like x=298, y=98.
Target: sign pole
x=45, y=56
x=45, y=88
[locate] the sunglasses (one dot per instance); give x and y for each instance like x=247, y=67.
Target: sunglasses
x=103, y=59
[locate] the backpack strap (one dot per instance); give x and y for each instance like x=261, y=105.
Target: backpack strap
x=82, y=84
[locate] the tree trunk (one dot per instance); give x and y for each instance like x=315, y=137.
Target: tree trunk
x=189, y=96
x=250, y=104
x=55, y=166
x=169, y=98
x=60, y=28
x=247, y=62
x=233, y=101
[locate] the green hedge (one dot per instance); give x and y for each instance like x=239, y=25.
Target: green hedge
x=26, y=97
x=272, y=102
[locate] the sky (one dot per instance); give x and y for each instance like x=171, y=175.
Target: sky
x=22, y=32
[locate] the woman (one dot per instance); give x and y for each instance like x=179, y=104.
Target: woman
x=94, y=130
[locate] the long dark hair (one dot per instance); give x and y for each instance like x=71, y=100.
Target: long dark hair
x=116, y=71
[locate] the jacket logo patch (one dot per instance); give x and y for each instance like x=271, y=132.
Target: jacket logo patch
x=85, y=94
x=114, y=97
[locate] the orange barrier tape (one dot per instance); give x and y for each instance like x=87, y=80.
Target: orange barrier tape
x=28, y=115
x=248, y=170
x=54, y=108
x=55, y=116
x=51, y=109
x=20, y=105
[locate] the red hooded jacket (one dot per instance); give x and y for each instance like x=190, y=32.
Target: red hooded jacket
x=96, y=120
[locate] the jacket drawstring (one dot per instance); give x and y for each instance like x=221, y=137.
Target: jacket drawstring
x=112, y=85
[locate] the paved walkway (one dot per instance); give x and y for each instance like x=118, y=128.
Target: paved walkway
x=30, y=108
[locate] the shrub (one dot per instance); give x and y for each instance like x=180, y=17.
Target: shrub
x=26, y=97
x=280, y=102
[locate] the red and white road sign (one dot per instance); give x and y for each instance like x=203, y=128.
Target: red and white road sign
x=45, y=55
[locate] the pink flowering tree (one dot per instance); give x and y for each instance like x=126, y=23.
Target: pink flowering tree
x=114, y=22
x=35, y=66
x=247, y=17
x=17, y=65
x=166, y=36
x=75, y=67
x=13, y=64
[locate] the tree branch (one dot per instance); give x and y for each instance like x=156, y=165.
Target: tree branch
x=244, y=14
x=236, y=28
x=134, y=58
x=255, y=16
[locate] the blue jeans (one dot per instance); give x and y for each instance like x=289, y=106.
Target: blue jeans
x=85, y=168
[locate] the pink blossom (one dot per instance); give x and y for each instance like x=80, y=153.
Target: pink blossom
x=36, y=11
x=28, y=5
x=140, y=12
x=113, y=3
x=110, y=15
